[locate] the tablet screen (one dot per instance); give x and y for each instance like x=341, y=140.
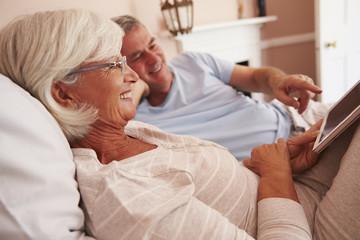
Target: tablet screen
x=342, y=114
x=340, y=111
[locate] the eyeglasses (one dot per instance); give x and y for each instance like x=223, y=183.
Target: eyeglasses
x=121, y=64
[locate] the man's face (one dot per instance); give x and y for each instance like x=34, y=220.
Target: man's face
x=146, y=58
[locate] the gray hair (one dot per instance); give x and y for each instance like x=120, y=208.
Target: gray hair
x=126, y=22
x=38, y=49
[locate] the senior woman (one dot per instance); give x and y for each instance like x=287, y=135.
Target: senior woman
x=137, y=181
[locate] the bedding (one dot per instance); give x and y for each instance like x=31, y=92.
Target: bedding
x=38, y=192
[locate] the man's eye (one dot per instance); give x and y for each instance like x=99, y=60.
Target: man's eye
x=153, y=46
x=137, y=58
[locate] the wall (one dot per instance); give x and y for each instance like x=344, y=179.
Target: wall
x=292, y=36
x=282, y=47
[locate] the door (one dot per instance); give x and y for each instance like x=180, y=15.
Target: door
x=337, y=46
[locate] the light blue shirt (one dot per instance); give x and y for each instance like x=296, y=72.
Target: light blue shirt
x=202, y=104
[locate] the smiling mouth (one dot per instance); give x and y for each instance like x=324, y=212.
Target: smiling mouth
x=125, y=95
x=156, y=70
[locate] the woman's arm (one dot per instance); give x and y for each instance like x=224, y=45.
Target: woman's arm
x=280, y=215
x=275, y=163
x=178, y=216
x=272, y=163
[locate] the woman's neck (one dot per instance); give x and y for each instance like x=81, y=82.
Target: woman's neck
x=112, y=144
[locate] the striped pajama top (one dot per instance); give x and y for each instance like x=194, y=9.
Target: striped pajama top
x=186, y=188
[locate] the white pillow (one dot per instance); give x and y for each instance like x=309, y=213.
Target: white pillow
x=38, y=192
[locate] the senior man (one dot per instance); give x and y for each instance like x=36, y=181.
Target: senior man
x=199, y=94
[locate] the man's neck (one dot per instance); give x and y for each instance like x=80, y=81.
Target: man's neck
x=158, y=96
x=157, y=99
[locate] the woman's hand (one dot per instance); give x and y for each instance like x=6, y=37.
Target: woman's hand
x=296, y=154
x=275, y=163
x=270, y=159
x=272, y=163
x=302, y=156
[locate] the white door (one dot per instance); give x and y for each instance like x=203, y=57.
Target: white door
x=337, y=46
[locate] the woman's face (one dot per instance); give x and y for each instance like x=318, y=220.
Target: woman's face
x=109, y=90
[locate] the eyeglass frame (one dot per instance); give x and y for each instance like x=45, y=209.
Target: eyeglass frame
x=121, y=64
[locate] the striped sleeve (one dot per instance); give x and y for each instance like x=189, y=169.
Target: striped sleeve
x=280, y=218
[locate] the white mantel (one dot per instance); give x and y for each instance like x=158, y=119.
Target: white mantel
x=237, y=41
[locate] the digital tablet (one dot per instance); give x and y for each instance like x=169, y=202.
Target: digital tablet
x=341, y=115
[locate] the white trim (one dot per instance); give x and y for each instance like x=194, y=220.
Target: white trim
x=231, y=24
x=288, y=40
x=235, y=41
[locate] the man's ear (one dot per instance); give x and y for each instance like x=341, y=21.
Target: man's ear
x=61, y=94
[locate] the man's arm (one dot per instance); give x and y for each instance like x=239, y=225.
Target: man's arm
x=253, y=79
x=275, y=82
x=139, y=89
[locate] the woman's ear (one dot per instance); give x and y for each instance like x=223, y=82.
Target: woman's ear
x=61, y=94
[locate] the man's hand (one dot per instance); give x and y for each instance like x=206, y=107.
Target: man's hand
x=294, y=90
x=139, y=89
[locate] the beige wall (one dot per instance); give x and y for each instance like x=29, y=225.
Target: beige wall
x=294, y=18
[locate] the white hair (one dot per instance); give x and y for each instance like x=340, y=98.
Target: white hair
x=38, y=49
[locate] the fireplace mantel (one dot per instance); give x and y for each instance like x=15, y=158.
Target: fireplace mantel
x=237, y=41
